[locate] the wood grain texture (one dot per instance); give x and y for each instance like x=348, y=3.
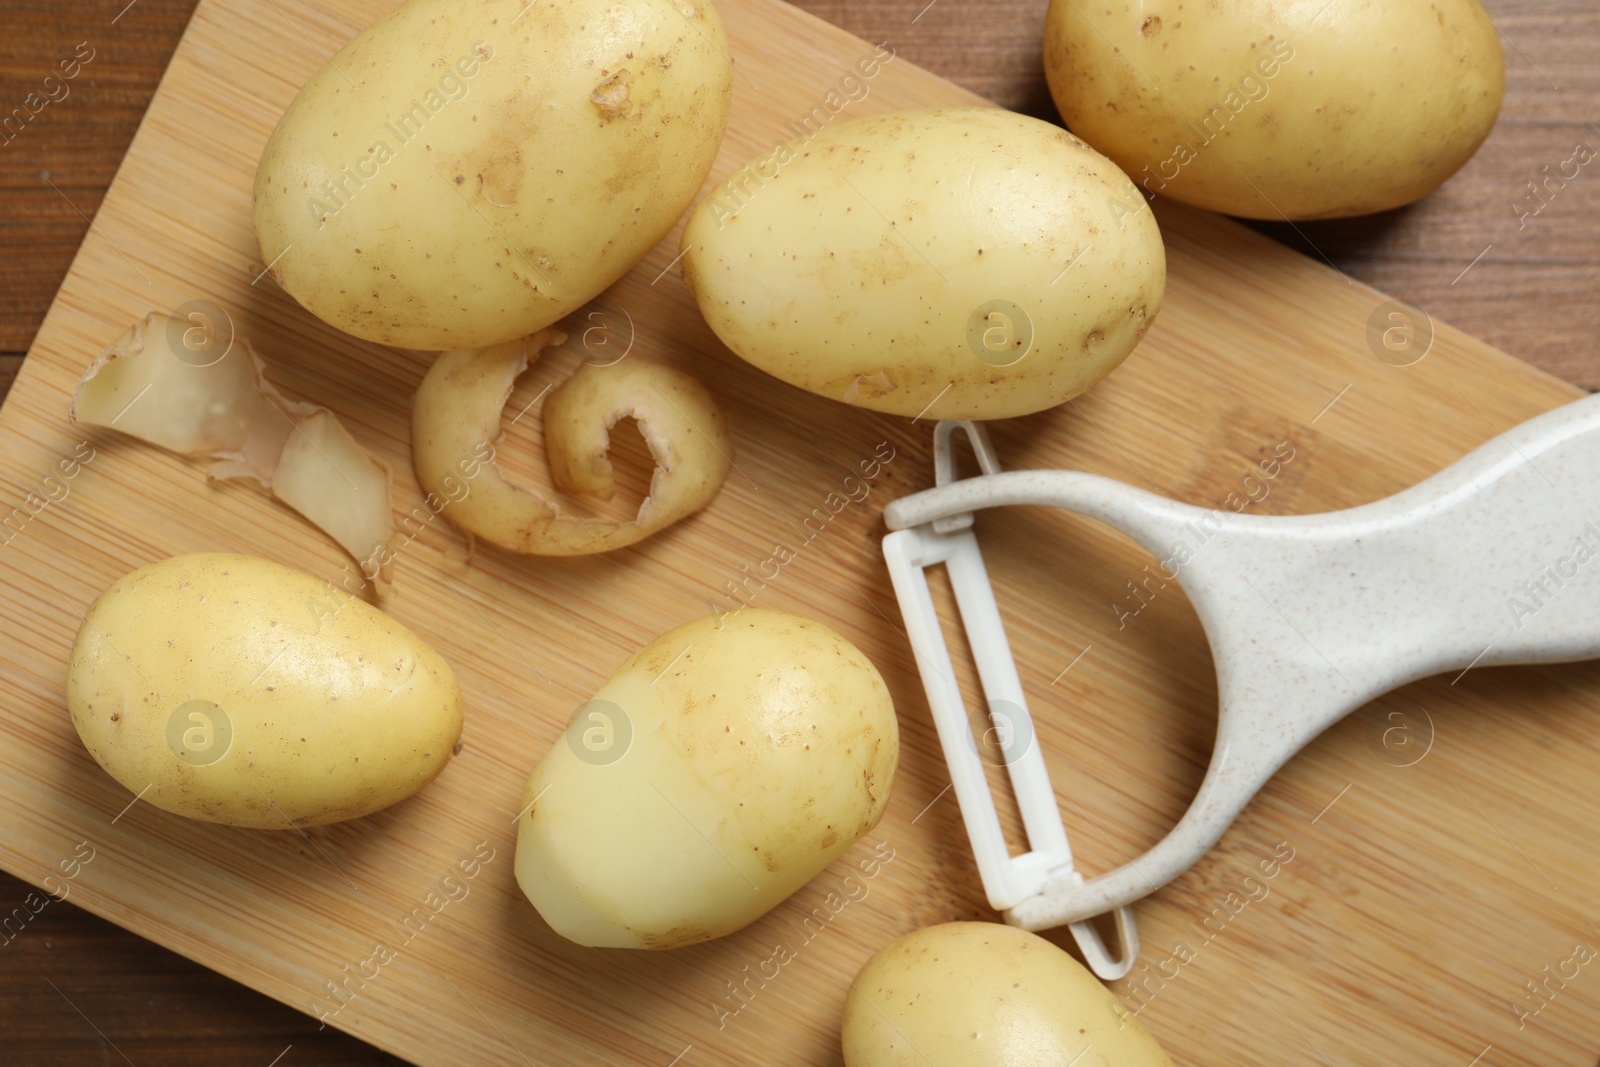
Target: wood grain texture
x=1406, y=922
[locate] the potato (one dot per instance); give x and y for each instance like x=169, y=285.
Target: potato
x=964, y=263
x=717, y=771
x=984, y=995
x=236, y=690
x=463, y=174
x=1272, y=111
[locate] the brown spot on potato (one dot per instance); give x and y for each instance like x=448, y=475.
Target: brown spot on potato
x=612, y=97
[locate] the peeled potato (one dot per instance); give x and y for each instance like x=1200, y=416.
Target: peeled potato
x=717, y=771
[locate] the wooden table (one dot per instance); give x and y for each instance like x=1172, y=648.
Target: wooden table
x=1464, y=255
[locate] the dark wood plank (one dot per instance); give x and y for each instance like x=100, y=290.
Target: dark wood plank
x=74, y=989
x=55, y=168
x=1531, y=293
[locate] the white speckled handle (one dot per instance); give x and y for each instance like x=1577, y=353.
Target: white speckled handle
x=1494, y=560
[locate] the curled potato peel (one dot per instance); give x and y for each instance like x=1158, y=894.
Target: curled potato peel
x=460, y=403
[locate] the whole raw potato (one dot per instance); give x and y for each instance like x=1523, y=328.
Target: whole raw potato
x=236, y=690
x=985, y=995
x=1273, y=110
x=717, y=771
x=465, y=173
x=963, y=263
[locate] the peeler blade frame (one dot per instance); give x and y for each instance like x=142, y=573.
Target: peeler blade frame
x=1007, y=880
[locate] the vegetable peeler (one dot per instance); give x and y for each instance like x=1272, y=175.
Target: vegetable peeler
x=1491, y=561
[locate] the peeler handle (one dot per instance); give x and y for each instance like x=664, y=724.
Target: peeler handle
x=1493, y=560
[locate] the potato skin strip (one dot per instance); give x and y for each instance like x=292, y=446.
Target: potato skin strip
x=461, y=402
x=223, y=408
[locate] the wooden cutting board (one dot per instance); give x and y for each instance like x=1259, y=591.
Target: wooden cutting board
x=1438, y=842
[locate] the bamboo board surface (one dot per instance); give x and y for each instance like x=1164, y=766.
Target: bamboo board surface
x=1440, y=838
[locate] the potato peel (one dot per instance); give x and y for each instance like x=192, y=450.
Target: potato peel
x=224, y=409
x=460, y=404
